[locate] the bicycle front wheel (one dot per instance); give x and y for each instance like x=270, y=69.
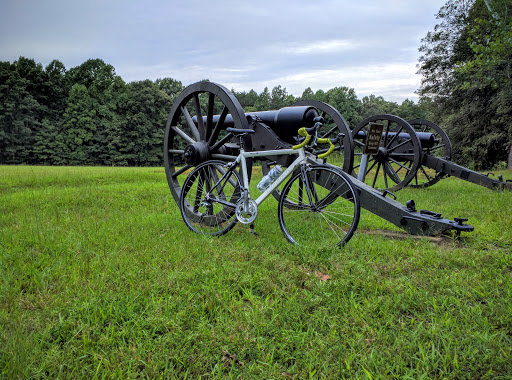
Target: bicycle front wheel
x=208, y=198
x=319, y=203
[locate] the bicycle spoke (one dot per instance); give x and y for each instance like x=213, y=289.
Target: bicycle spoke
x=333, y=216
x=209, y=197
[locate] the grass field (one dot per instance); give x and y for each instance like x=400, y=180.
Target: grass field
x=100, y=278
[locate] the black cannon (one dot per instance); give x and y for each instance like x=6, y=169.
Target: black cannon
x=399, y=163
x=196, y=132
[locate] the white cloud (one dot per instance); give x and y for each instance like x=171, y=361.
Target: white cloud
x=395, y=82
x=318, y=47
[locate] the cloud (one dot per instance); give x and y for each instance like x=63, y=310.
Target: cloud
x=368, y=45
x=318, y=47
x=395, y=82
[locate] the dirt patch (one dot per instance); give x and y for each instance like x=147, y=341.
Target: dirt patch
x=397, y=235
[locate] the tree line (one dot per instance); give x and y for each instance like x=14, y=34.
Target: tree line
x=88, y=115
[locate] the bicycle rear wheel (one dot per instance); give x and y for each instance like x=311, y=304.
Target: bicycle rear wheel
x=319, y=203
x=208, y=201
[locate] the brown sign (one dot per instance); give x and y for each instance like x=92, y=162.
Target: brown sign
x=373, y=139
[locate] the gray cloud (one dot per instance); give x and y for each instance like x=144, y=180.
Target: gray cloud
x=368, y=45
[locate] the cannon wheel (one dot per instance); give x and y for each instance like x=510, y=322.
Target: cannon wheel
x=399, y=155
x=425, y=176
x=191, y=136
x=334, y=123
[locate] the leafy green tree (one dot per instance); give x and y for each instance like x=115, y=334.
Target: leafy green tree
x=443, y=48
x=170, y=86
x=20, y=111
x=375, y=105
x=409, y=110
x=320, y=96
x=307, y=94
x=489, y=71
x=466, y=72
x=344, y=99
x=104, y=91
x=79, y=128
x=145, y=111
x=46, y=148
x=247, y=100
x=58, y=87
x=264, y=100
x=280, y=98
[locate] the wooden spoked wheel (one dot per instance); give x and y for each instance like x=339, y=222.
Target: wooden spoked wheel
x=193, y=135
x=398, y=158
x=442, y=148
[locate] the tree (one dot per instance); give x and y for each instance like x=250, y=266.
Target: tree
x=307, y=94
x=375, y=105
x=443, y=48
x=247, y=100
x=21, y=113
x=104, y=90
x=466, y=72
x=79, y=128
x=46, y=148
x=344, y=99
x=171, y=87
x=264, y=100
x=145, y=113
x=280, y=98
x=490, y=70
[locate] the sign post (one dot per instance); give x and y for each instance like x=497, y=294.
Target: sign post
x=371, y=147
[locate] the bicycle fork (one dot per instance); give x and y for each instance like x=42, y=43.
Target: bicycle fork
x=310, y=190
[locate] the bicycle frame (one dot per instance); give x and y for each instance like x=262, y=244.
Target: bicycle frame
x=241, y=159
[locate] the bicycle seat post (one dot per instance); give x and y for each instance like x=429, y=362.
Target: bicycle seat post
x=242, y=142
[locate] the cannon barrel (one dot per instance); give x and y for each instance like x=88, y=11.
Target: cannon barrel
x=284, y=122
x=427, y=140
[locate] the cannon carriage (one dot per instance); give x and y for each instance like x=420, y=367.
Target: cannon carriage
x=196, y=131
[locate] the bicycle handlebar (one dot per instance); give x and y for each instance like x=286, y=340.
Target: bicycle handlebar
x=303, y=133
x=307, y=133
x=331, y=147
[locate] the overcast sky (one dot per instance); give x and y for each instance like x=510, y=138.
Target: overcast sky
x=368, y=45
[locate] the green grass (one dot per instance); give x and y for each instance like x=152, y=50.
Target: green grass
x=100, y=278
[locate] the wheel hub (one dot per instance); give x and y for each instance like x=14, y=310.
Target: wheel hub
x=382, y=155
x=197, y=153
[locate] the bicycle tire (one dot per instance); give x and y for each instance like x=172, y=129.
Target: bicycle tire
x=208, y=216
x=331, y=212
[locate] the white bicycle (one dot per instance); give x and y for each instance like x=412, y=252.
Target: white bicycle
x=318, y=201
